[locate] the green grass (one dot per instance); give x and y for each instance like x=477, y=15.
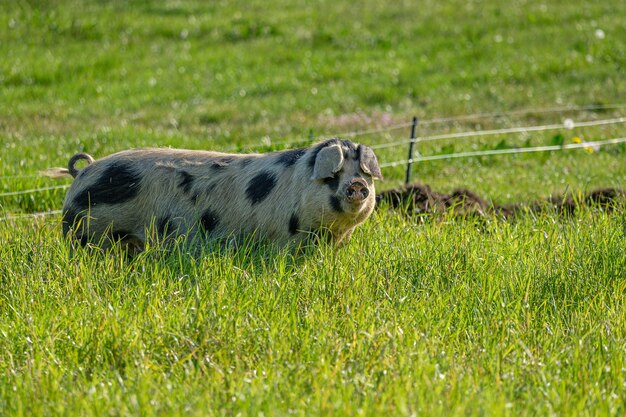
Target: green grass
x=450, y=316
x=422, y=316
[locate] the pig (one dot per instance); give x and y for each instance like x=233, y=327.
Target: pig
x=283, y=197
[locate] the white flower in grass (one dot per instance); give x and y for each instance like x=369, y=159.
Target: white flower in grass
x=568, y=123
x=600, y=34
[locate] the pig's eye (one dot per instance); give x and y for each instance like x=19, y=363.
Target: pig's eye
x=331, y=179
x=333, y=182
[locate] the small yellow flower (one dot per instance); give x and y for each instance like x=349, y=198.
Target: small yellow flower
x=588, y=149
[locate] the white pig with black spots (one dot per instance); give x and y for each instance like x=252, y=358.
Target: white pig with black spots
x=283, y=197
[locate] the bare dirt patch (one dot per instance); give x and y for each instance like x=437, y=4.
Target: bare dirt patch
x=416, y=199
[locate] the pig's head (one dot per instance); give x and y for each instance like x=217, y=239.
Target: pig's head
x=349, y=171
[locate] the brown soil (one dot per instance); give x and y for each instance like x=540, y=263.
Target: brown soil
x=417, y=199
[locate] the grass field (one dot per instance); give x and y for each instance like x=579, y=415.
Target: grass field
x=416, y=316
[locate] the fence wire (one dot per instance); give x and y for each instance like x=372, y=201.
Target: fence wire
x=30, y=215
x=569, y=124
x=35, y=190
x=590, y=145
x=441, y=120
x=545, y=110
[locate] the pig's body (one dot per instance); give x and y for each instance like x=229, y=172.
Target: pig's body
x=281, y=197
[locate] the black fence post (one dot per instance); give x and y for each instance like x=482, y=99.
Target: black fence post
x=409, y=165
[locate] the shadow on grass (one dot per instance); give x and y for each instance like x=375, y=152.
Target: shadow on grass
x=191, y=258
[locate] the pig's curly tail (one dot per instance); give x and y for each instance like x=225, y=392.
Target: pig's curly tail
x=70, y=166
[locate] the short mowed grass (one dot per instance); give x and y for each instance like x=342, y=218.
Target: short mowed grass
x=426, y=315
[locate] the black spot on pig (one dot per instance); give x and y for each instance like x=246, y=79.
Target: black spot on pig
x=317, y=150
x=294, y=224
x=121, y=235
x=349, y=144
x=163, y=226
x=332, y=182
x=335, y=204
x=288, y=158
x=186, y=181
x=209, y=220
x=260, y=186
x=118, y=184
x=69, y=220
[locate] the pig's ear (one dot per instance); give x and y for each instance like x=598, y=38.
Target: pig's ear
x=369, y=163
x=328, y=162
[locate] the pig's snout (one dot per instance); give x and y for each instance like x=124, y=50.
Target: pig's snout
x=357, y=191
